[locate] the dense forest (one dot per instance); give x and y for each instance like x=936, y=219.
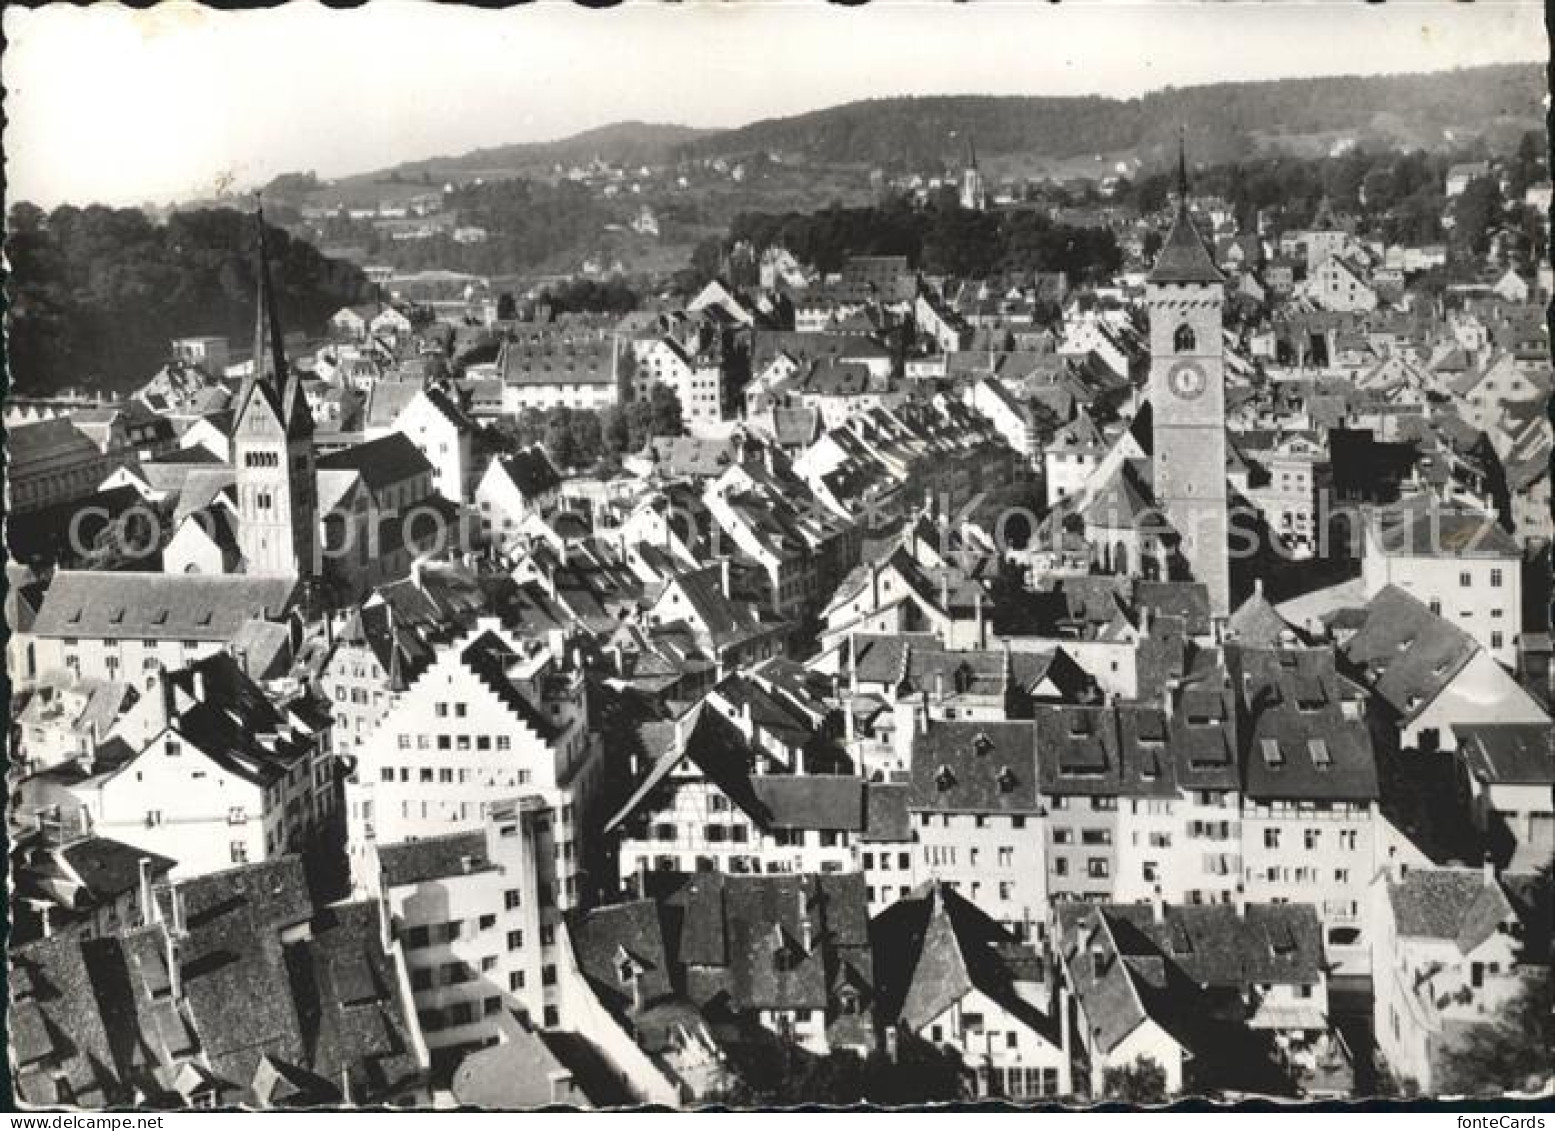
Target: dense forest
x=1223, y=119
x=942, y=239
x=97, y=293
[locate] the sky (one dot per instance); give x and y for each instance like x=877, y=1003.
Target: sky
x=118, y=106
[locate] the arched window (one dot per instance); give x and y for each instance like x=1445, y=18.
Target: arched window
x=1183, y=340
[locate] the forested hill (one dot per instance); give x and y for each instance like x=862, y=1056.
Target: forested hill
x=96, y=294
x=621, y=143
x=1224, y=120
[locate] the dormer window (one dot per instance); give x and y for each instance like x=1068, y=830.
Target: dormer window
x=1006, y=779
x=1318, y=748
x=1272, y=754
x=1184, y=340
x=982, y=743
x=944, y=779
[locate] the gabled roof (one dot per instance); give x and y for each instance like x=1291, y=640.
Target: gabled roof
x=156, y=606
x=1508, y=753
x=1407, y=653
x=1306, y=737
x=1448, y=904
x=934, y=948
x=383, y=462
x=975, y=767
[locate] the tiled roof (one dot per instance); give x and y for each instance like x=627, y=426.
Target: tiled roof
x=1077, y=749
x=1508, y=753
x=1306, y=737
x=811, y=801
x=1184, y=258
x=531, y=472
x=381, y=463
x=975, y=767
x=1450, y=904
x=1407, y=653
x=435, y=858
x=156, y=606
x=935, y=948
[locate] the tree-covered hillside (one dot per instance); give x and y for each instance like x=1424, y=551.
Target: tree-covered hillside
x=96, y=294
x=1223, y=120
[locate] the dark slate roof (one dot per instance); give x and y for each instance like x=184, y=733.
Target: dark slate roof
x=531, y=472
x=811, y=801
x=1306, y=736
x=732, y=929
x=599, y=938
x=972, y=767
x=57, y=1026
x=935, y=948
x=1217, y=947
x=1508, y=753
x=886, y=819
x=381, y=463
x=1077, y=749
x=109, y=868
x=436, y=858
x=1407, y=653
x=1184, y=258
x=1187, y=600
x=1453, y=904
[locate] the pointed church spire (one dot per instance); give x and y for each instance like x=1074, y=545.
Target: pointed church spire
x=267, y=325
x=1182, y=168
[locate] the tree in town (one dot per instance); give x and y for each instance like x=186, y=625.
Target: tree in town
x=1142, y=1082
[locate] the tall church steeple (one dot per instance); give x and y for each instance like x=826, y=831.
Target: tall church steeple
x=1185, y=293
x=974, y=194
x=272, y=448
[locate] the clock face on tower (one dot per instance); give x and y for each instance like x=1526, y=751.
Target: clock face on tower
x=1186, y=380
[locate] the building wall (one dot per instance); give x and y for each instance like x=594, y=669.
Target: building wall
x=450, y=745
x=1488, y=607
x=1322, y=853
x=1009, y=1058
x=995, y=860
x=1081, y=834
x=475, y=945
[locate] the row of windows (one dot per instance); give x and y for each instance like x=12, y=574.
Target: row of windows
x=455, y=742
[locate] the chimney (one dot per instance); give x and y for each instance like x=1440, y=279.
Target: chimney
x=172, y=931
x=1488, y=869
x=620, y=658
x=1258, y=587
x=199, y=684
x=944, y=590
x=1166, y=702
x=148, y=900
x=852, y=663
x=806, y=931
x=1157, y=905
x=725, y=579
x=467, y=863
x=1144, y=620
x=642, y=877
x=939, y=686
x=982, y=625
x=1239, y=897
x=345, y=1084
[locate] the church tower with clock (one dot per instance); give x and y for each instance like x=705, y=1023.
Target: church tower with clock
x=1184, y=295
